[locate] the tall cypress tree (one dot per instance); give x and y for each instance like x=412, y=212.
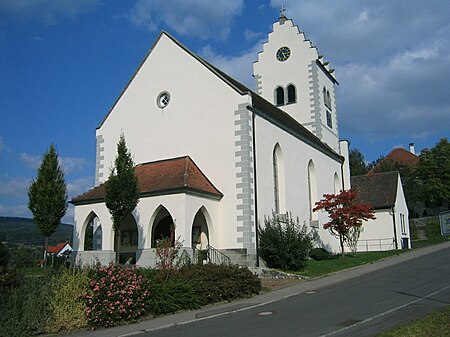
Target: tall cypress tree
x=122, y=189
x=47, y=195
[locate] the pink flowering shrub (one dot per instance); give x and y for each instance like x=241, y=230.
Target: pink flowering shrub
x=117, y=295
x=167, y=251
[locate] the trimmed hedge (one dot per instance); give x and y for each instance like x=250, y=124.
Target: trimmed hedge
x=172, y=295
x=25, y=310
x=69, y=299
x=217, y=283
x=319, y=254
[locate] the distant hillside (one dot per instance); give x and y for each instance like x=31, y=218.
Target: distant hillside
x=23, y=230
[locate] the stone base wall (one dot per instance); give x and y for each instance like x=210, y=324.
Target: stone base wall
x=147, y=257
x=240, y=257
x=93, y=257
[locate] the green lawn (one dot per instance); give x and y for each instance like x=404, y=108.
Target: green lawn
x=430, y=241
x=337, y=263
x=436, y=325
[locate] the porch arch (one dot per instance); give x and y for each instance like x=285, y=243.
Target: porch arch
x=91, y=234
x=128, y=240
x=160, y=225
x=200, y=231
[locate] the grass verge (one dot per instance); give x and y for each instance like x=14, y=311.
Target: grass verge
x=436, y=324
x=337, y=263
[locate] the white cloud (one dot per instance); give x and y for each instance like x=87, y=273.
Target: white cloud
x=251, y=35
x=16, y=188
x=69, y=164
x=31, y=160
x=68, y=218
x=15, y=211
x=49, y=11
x=202, y=18
x=72, y=164
x=239, y=67
x=79, y=186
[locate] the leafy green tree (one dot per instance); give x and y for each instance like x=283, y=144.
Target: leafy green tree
x=284, y=244
x=4, y=256
x=122, y=189
x=407, y=174
x=433, y=173
x=377, y=161
x=357, y=164
x=47, y=195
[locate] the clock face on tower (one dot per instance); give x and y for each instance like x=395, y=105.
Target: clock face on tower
x=283, y=53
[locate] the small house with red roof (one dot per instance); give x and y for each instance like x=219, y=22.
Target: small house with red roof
x=214, y=158
x=390, y=229
x=398, y=156
x=61, y=249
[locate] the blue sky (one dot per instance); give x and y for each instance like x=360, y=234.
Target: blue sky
x=64, y=62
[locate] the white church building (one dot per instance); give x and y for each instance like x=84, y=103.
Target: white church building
x=215, y=157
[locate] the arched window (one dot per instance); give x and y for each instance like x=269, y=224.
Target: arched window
x=279, y=93
x=291, y=94
x=324, y=92
x=328, y=101
x=337, y=185
x=278, y=180
x=312, y=191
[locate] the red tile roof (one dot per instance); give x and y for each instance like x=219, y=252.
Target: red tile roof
x=176, y=175
x=398, y=156
x=56, y=249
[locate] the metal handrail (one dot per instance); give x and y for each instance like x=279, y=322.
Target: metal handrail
x=382, y=244
x=215, y=256
x=211, y=255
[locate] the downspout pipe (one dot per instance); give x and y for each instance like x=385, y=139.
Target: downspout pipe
x=255, y=186
x=395, y=226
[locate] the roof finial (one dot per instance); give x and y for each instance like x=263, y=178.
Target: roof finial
x=282, y=17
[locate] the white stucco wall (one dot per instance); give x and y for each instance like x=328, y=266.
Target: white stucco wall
x=181, y=207
x=208, y=120
x=296, y=156
x=401, y=209
x=199, y=121
x=379, y=234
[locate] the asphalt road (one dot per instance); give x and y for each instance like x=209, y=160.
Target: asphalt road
x=361, y=301
x=360, y=306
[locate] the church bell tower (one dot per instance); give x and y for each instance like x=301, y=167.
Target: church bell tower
x=290, y=73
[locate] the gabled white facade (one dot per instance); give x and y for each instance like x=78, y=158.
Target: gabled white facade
x=390, y=229
x=232, y=135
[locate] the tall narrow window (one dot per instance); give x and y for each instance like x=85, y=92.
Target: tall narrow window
x=278, y=181
x=328, y=102
x=337, y=187
x=329, y=120
x=312, y=189
x=279, y=92
x=291, y=94
x=324, y=92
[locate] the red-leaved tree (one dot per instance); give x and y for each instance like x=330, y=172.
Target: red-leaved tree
x=345, y=213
